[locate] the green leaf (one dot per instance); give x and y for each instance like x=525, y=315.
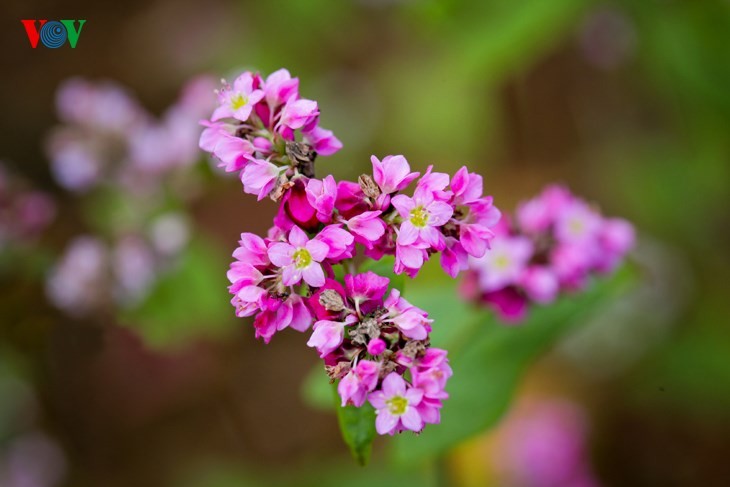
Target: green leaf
x=488, y=362
x=384, y=267
x=358, y=428
x=316, y=389
x=189, y=302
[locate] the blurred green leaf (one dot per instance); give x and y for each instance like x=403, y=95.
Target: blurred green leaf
x=489, y=362
x=358, y=428
x=317, y=390
x=384, y=267
x=190, y=301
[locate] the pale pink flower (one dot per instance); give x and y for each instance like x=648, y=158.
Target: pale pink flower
x=238, y=100
x=504, y=263
x=413, y=322
x=422, y=215
x=328, y=335
x=298, y=113
x=355, y=386
x=368, y=225
x=323, y=141
x=321, y=195
x=259, y=177
x=396, y=406
x=392, y=174
x=299, y=258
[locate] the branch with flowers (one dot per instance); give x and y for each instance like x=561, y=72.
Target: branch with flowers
x=375, y=344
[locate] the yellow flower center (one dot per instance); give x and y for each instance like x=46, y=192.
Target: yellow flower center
x=419, y=217
x=502, y=261
x=397, y=405
x=302, y=258
x=238, y=101
x=576, y=227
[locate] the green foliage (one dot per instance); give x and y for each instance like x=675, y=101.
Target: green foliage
x=358, y=428
x=190, y=301
x=489, y=359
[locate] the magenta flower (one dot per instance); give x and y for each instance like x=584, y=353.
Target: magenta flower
x=392, y=173
x=328, y=335
x=299, y=259
x=238, y=100
x=540, y=283
x=355, y=386
x=259, y=177
x=339, y=241
x=368, y=226
x=321, y=195
x=280, y=87
x=323, y=141
x=297, y=114
x=233, y=152
x=432, y=373
x=366, y=287
x=422, y=215
x=410, y=320
x=396, y=406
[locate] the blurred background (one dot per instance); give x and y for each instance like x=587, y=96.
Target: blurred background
x=158, y=384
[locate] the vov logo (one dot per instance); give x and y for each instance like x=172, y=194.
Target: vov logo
x=53, y=34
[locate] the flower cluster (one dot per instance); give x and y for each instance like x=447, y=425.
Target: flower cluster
x=372, y=340
x=93, y=274
x=108, y=137
x=24, y=212
x=554, y=243
x=109, y=143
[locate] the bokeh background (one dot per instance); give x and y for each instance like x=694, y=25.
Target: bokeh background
x=626, y=102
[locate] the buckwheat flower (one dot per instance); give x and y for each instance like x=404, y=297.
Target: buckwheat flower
x=365, y=287
x=368, y=226
x=454, y=258
x=252, y=250
x=298, y=113
x=431, y=373
x=295, y=206
x=540, y=283
x=259, y=177
x=355, y=386
x=467, y=187
x=422, y=215
x=299, y=259
x=508, y=302
x=134, y=266
x=376, y=346
x=279, y=87
x=219, y=139
x=392, y=174
x=396, y=406
x=323, y=141
x=504, y=263
x=410, y=320
x=409, y=259
x=248, y=300
x=577, y=223
x=321, y=195
x=238, y=100
x=328, y=335
x=339, y=242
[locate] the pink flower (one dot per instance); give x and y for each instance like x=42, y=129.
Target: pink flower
x=454, y=258
x=299, y=258
x=367, y=286
x=280, y=87
x=577, y=223
x=509, y=304
x=233, y=152
x=422, y=215
x=321, y=195
x=276, y=314
x=328, y=335
x=259, y=177
x=396, y=406
x=540, y=284
x=467, y=187
x=409, y=259
x=504, y=263
x=368, y=226
x=339, y=241
x=238, y=100
x=252, y=250
x=392, y=173
x=410, y=320
x=323, y=141
x=298, y=113
x=247, y=300
x=376, y=346
x=354, y=387
x=431, y=373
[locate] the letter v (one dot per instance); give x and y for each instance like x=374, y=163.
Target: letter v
x=73, y=34
x=32, y=31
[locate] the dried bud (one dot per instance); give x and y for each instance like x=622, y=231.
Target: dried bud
x=302, y=157
x=365, y=331
x=368, y=186
x=282, y=186
x=331, y=300
x=337, y=371
x=413, y=348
